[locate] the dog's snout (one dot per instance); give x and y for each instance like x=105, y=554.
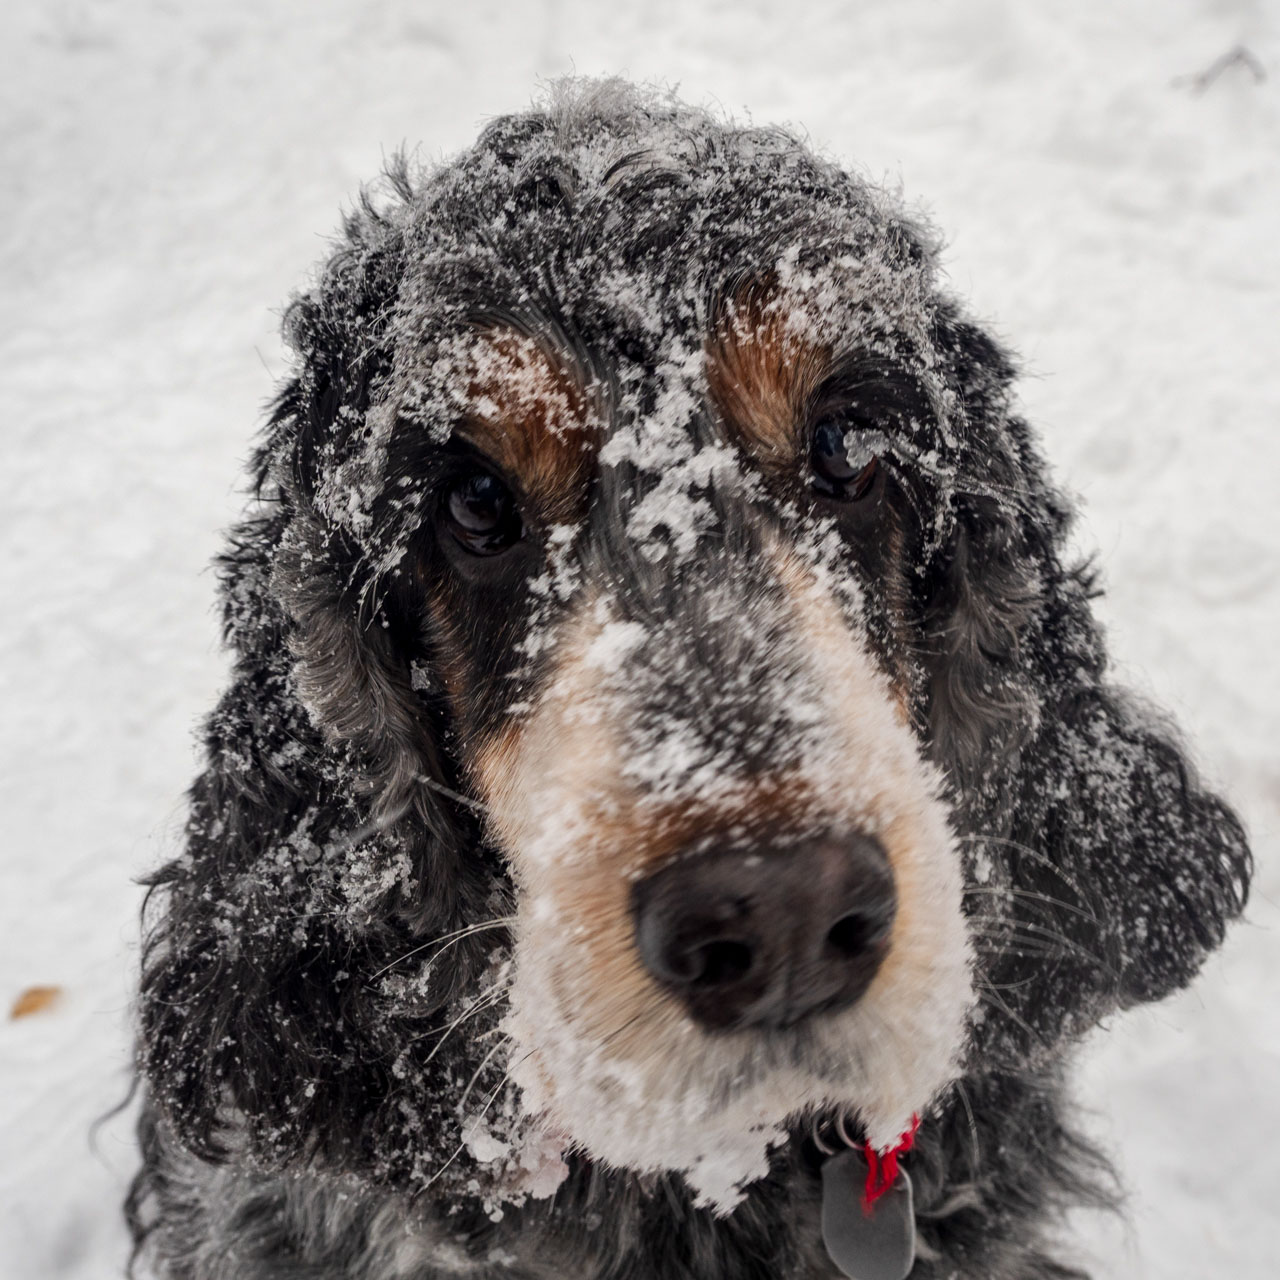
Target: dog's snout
x=766, y=937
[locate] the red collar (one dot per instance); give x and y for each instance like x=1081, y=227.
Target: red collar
x=882, y=1166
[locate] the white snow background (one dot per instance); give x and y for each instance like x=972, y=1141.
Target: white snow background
x=169, y=173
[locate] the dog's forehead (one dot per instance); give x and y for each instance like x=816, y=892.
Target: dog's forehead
x=632, y=224
x=564, y=339
x=552, y=414
x=620, y=281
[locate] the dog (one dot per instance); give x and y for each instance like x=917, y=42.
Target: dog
x=669, y=817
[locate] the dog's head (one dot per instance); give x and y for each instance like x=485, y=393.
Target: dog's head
x=665, y=579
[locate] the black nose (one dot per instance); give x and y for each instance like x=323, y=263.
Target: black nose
x=764, y=937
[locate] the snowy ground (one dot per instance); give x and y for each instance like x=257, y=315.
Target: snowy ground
x=169, y=172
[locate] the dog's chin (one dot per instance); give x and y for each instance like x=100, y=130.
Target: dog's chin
x=662, y=1095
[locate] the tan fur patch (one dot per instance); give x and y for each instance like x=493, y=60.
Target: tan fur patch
x=761, y=372
x=566, y=751
x=529, y=411
x=897, y=597
x=450, y=662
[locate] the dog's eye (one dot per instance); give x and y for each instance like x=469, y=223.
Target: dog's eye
x=843, y=462
x=482, y=515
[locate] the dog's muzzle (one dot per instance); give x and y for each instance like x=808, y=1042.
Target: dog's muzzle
x=764, y=936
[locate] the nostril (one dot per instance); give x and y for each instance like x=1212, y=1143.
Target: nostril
x=721, y=963
x=856, y=933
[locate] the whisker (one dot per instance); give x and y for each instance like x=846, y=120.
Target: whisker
x=992, y=1000
x=1004, y=986
x=475, y=805
x=1026, y=951
x=1034, y=854
x=445, y=942
x=1000, y=945
x=1031, y=895
x=506, y=1075
x=1028, y=931
x=486, y=1001
x=1046, y=944
x=371, y=828
x=975, y=1159
x=475, y=1075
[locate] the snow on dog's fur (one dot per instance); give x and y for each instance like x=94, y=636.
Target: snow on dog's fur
x=639, y=498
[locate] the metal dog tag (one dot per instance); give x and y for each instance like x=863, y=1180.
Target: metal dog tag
x=880, y=1245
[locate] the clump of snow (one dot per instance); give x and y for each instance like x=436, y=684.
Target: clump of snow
x=480, y=1141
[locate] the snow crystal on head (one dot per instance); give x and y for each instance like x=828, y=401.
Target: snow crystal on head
x=674, y=512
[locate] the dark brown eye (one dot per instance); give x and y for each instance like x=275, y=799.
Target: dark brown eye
x=482, y=515
x=842, y=463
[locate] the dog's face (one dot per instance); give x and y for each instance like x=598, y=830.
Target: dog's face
x=662, y=453
x=673, y=608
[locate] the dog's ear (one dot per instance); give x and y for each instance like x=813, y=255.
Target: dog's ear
x=260, y=1010
x=322, y=843
x=1161, y=862
x=239, y=1008
x=1109, y=793
x=1123, y=869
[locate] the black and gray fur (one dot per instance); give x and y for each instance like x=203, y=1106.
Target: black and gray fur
x=301, y=1112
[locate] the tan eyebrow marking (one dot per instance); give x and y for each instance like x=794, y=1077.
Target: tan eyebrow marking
x=530, y=413
x=762, y=371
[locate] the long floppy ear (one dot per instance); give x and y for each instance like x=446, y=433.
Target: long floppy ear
x=1111, y=796
x=258, y=1008
x=322, y=844
x=1104, y=871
